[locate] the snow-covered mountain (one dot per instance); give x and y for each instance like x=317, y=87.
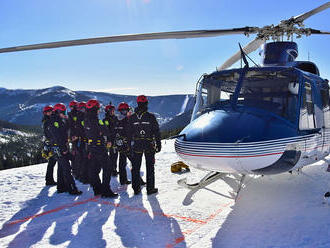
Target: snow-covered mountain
x=25, y=106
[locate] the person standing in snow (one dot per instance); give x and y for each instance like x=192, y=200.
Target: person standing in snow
x=144, y=139
x=121, y=141
x=110, y=121
x=96, y=132
x=59, y=136
x=82, y=156
x=47, y=111
x=73, y=124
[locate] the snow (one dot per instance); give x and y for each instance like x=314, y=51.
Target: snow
x=273, y=211
x=184, y=105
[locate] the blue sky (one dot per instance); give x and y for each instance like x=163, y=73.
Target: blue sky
x=144, y=67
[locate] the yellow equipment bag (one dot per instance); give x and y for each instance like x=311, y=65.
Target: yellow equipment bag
x=178, y=166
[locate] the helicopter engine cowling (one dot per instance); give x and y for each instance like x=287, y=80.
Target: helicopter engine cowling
x=279, y=53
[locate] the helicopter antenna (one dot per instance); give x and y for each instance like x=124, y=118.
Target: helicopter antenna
x=252, y=60
x=244, y=55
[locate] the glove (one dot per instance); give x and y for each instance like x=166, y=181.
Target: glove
x=158, y=147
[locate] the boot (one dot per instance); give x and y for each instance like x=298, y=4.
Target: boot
x=142, y=182
x=109, y=194
x=74, y=191
x=51, y=183
x=137, y=191
x=126, y=182
x=152, y=191
x=97, y=191
x=114, y=173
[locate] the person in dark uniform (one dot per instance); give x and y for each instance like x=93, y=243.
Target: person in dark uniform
x=110, y=121
x=145, y=139
x=95, y=131
x=59, y=133
x=47, y=111
x=82, y=156
x=74, y=126
x=121, y=141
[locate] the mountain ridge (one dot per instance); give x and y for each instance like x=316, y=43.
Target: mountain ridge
x=24, y=106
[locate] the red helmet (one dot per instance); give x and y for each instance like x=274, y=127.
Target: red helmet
x=109, y=108
x=60, y=107
x=81, y=105
x=73, y=104
x=141, y=98
x=47, y=108
x=92, y=103
x=123, y=106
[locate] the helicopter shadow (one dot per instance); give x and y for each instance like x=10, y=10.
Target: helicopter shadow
x=278, y=211
x=232, y=181
x=139, y=229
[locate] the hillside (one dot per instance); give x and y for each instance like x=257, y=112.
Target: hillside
x=19, y=145
x=25, y=106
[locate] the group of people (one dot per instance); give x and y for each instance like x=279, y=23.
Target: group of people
x=83, y=145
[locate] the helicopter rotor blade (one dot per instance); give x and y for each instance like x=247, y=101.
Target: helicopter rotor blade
x=251, y=47
x=134, y=37
x=302, y=17
x=315, y=31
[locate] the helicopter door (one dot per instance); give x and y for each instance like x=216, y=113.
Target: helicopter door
x=307, y=114
x=326, y=115
x=311, y=119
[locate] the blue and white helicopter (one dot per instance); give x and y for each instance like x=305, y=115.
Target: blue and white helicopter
x=262, y=120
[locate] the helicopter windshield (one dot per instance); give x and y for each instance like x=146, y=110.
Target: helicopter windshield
x=273, y=91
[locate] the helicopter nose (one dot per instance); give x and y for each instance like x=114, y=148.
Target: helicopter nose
x=228, y=141
x=221, y=126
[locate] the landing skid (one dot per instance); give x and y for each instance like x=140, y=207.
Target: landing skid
x=209, y=178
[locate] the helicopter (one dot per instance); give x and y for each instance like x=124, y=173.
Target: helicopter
x=262, y=120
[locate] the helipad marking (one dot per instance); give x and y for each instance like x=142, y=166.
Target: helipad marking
x=119, y=205
x=52, y=210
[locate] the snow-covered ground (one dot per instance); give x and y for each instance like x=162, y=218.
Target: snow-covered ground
x=274, y=211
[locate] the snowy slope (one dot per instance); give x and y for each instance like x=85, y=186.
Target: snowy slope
x=275, y=211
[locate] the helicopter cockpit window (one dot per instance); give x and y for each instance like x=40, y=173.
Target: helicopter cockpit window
x=274, y=92
x=270, y=91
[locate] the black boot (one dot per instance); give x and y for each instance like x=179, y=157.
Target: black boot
x=126, y=182
x=97, y=191
x=109, y=194
x=74, y=191
x=152, y=191
x=62, y=190
x=51, y=183
x=142, y=182
x=137, y=191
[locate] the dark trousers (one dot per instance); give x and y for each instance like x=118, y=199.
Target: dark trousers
x=82, y=160
x=50, y=169
x=75, y=159
x=113, y=157
x=122, y=167
x=136, y=167
x=100, y=160
x=65, y=180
